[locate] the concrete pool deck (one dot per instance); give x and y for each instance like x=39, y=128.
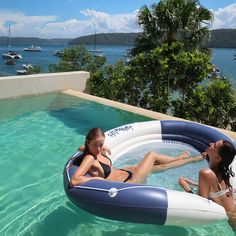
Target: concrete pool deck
x=137, y=110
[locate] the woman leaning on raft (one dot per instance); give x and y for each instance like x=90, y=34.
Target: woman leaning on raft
x=99, y=166
x=213, y=182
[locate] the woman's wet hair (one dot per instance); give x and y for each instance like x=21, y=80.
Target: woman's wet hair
x=227, y=152
x=92, y=134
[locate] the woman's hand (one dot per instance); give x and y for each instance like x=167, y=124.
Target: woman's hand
x=105, y=149
x=184, y=180
x=185, y=185
x=81, y=148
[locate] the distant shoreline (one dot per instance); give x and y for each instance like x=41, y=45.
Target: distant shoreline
x=221, y=38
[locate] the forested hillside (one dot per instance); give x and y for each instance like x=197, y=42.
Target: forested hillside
x=222, y=38
x=107, y=39
x=33, y=41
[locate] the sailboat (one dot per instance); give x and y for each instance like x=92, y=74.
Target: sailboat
x=10, y=55
x=96, y=52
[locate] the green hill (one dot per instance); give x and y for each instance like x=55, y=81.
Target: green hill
x=106, y=39
x=221, y=38
x=34, y=41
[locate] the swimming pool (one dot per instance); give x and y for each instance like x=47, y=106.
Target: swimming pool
x=37, y=136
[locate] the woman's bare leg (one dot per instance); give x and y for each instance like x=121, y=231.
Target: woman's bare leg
x=163, y=159
x=175, y=164
x=147, y=165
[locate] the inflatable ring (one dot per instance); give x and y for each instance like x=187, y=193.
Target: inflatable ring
x=142, y=203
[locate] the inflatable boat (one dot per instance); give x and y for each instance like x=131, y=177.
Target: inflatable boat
x=142, y=203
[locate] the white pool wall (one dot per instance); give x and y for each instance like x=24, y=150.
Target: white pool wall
x=25, y=85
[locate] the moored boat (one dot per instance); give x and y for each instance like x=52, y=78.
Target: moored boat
x=33, y=48
x=7, y=56
x=27, y=66
x=58, y=53
x=21, y=72
x=15, y=55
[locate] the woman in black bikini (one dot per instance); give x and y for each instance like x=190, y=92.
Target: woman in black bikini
x=99, y=166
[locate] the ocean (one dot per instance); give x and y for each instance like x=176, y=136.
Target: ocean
x=223, y=58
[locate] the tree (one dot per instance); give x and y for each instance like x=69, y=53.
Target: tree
x=173, y=20
x=190, y=69
x=109, y=82
x=34, y=70
x=150, y=78
x=213, y=104
x=77, y=59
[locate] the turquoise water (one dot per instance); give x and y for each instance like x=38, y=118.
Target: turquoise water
x=37, y=136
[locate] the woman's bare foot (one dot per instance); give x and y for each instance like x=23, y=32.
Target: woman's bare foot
x=184, y=184
x=184, y=155
x=204, y=154
x=197, y=158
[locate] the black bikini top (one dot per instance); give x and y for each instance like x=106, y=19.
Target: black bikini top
x=106, y=168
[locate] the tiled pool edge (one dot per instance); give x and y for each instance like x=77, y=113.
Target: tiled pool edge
x=137, y=110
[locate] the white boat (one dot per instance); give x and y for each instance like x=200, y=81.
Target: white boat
x=27, y=66
x=96, y=52
x=7, y=56
x=10, y=54
x=33, y=48
x=15, y=55
x=21, y=72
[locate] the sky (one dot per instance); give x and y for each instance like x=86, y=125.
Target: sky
x=74, y=18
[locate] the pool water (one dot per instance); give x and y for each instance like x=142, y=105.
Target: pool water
x=37, y=136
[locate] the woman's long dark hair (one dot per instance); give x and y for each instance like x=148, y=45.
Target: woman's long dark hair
x=227, y=152
x=92, y=134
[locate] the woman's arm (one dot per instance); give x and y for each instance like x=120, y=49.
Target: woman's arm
x=206, y=176
x=79, y=176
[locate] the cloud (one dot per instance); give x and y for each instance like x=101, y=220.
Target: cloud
x=104, y=22
x=50, y=27
x=91, y=21
x=225, y=17
x=22, y=25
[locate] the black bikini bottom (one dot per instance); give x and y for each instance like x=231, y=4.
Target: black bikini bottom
x=129, y=175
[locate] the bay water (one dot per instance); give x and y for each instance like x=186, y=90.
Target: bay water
x=223, y=58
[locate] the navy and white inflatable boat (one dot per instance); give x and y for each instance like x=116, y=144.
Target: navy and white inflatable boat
x=145, y=203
